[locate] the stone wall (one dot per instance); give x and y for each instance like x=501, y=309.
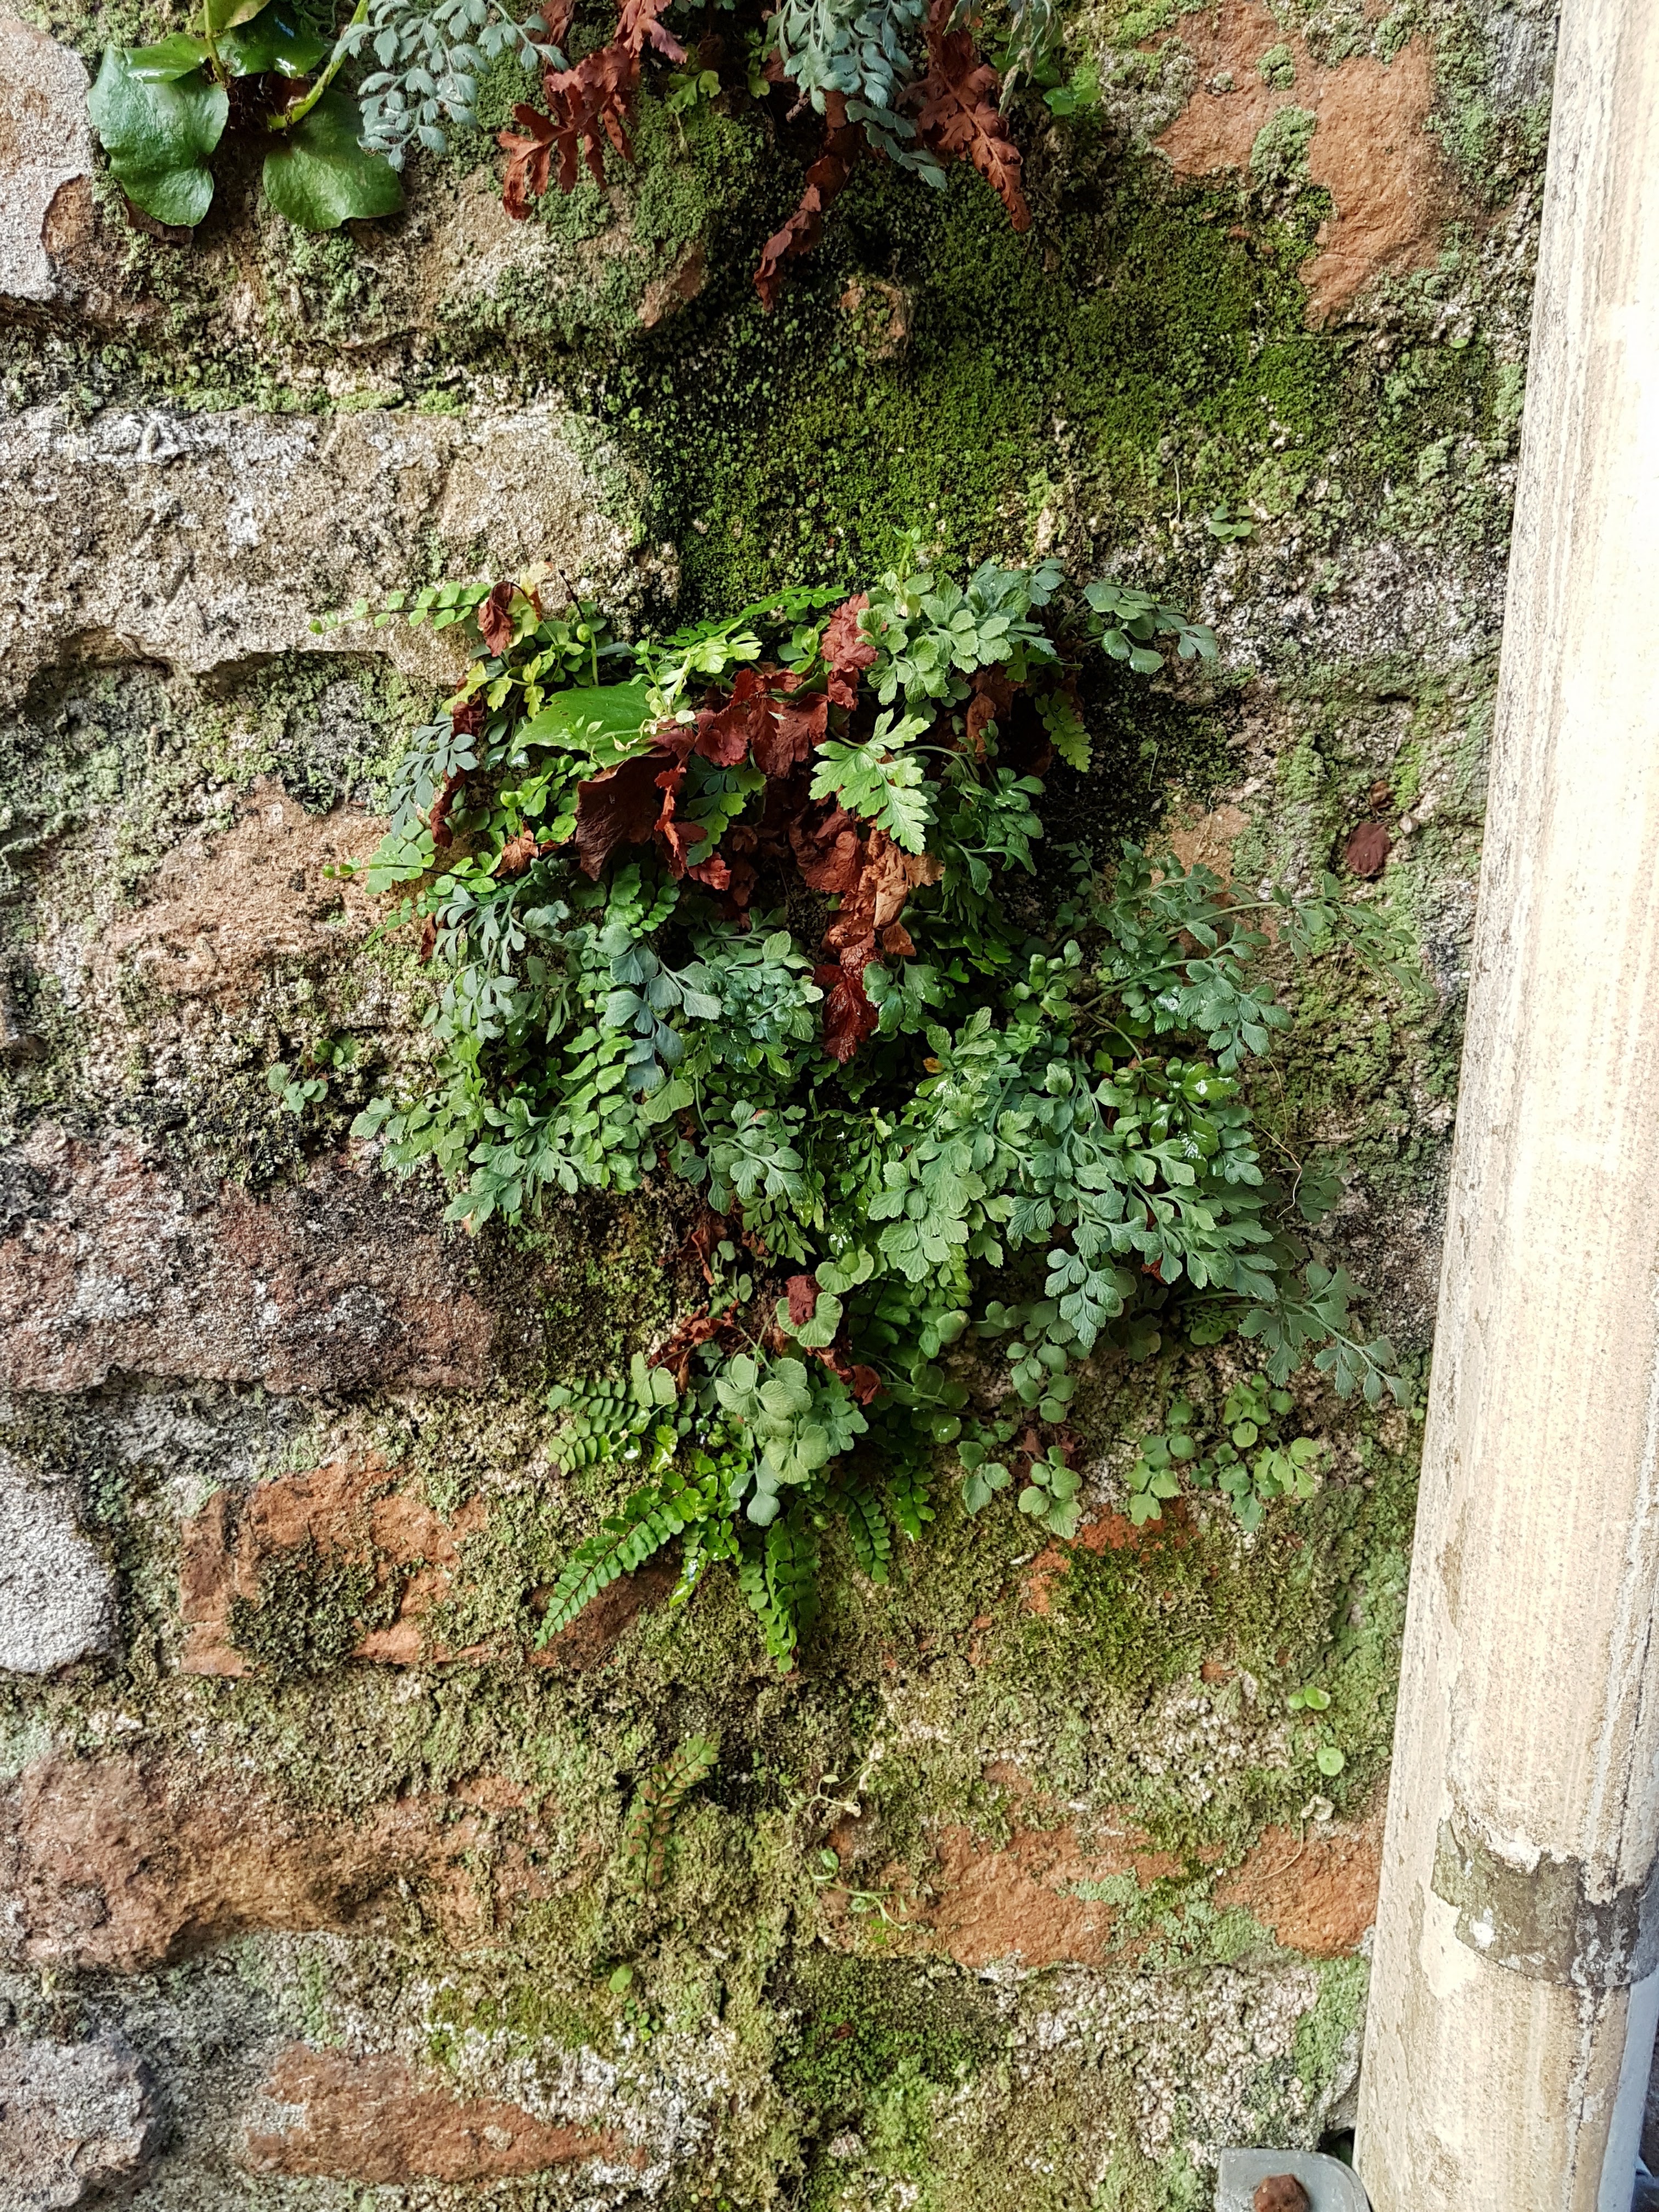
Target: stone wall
x=1023, y=1889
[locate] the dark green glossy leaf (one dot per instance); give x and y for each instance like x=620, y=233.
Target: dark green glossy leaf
x=158, y=137
x=175, y=57
x=226, y=14
x=320, y=177
x=279, y=39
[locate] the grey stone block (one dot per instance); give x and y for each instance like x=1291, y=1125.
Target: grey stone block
x=205, y=541
x=77, y=2119
x=46, y=154
x=57, y=1594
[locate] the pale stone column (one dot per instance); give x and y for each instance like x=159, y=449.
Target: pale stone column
x=1513, y=1989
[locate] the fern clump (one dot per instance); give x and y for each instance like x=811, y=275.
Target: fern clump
x=903, y=80
x=743, y=908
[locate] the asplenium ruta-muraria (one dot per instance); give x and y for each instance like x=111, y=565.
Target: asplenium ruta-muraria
x=757, y=908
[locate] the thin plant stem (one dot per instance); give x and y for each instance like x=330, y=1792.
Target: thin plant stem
x=301, y=108
x=212, y=44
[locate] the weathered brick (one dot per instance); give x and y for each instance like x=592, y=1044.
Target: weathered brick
x=379, y=1520
x=124, y=1862
x=371, y=2119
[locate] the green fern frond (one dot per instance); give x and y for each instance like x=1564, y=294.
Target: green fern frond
x=648, y=1829
x=653, y=1517
x=867, y=1527
x=1065, y=727
x=707, y=1542
x=912, y=1507
x=779, y=1577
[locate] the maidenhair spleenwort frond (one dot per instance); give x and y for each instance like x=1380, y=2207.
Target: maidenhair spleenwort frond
x=648, y=1829
x=867, y=1527
x=598, y=1420
x=779, y=1576
x=653, y=1517
x=912, y=1508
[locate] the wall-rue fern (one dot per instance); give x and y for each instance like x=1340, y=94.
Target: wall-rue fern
x=756, y=906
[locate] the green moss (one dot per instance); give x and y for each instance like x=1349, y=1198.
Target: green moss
x=1127, y=23
x=522, y=2007
x=875, y=2049
x=314, y=1607
x=1280, y=156
x=858, y=2021
x=1277, y=67
x=1492, y=148
x=795, y=453
x=1327, y=2038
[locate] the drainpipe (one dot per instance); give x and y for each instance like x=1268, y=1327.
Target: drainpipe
x=1514, y=1992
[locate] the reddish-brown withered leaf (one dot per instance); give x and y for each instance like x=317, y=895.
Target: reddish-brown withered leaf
x=590, y=105
x=496, y=616
x=675, y=1352
x=803, y=1299
x=864, y=1382
x=587, y=106
x=796, y=725
x=620, y=807
x=638, y=27
x=704, y=1234
x=828, y=852
x=726, y=734
x=1366, y=853
x=885, y=880
x=847, y=651
x=530, y=155
x=870, y=909
x=843, y=142
x=848, y=1015
x=438, y=820
x=517, y=855
x=676, y=837
x=958, y=116
x=993, y=694
x=715, y=875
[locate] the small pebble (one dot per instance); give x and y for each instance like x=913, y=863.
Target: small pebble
x=1281, y=2192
